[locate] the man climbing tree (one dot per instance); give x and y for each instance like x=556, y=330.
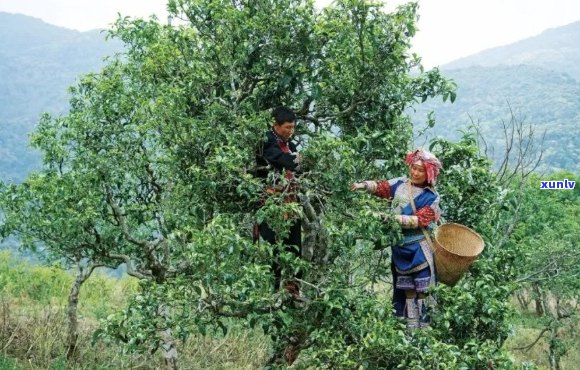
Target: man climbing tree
x=278, y=162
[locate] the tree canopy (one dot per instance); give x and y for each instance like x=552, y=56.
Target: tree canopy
x=157, y=158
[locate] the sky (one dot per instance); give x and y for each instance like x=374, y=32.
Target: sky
x=448, y=29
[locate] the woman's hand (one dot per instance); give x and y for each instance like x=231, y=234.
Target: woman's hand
x=358, y=186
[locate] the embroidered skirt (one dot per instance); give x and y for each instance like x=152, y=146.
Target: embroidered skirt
x=413, y=266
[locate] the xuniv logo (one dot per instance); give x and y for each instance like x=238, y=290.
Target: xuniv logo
x=553, y=184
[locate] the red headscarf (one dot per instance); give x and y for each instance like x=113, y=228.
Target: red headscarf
x=431, y=163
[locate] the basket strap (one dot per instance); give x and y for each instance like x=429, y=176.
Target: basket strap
x=427, y=236
x=429, y=257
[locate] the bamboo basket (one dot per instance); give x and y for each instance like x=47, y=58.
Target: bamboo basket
x=455, y=248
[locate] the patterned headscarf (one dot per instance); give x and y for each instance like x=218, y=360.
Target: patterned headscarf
x=431, y=163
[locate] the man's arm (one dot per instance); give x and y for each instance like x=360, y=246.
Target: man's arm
x=276, y=157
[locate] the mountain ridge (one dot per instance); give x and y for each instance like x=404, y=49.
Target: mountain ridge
x=38, y=62
x=488, y=96
x=554, y=48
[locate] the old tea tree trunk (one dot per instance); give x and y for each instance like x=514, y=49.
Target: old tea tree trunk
x=83, y=273
x=168, y=349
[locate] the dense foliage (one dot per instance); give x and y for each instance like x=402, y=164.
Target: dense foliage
x=39, y=61
x=153, y=167
x=549, y=273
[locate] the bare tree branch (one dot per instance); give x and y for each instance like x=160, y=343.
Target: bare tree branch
x=529, y=346
x=130, y=270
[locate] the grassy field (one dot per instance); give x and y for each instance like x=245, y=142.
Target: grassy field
x=33, y=328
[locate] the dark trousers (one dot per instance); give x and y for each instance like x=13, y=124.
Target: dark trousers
x=292, y=243
x=398, y=294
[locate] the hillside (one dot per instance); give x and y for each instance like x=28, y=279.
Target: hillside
x=548, y=100
x=38, y=62
x=555, y=49
x=538, y=78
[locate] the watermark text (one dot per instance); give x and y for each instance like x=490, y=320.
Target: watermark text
x=553, y=184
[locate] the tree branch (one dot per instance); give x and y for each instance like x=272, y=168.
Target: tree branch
x=316, y=119
x=130, y=270
x=529, y=346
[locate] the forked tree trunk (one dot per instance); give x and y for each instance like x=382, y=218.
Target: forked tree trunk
x=523, y=299
x=314, y=239
x=539, y=300
x=168, y=348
